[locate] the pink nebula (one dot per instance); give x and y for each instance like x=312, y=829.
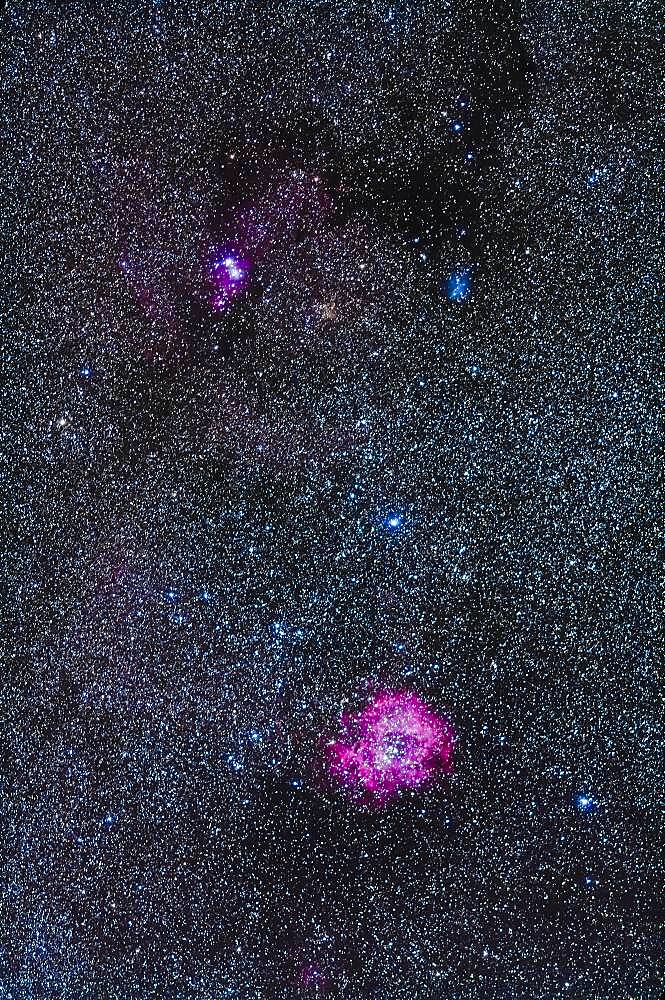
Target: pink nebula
x=394, y=744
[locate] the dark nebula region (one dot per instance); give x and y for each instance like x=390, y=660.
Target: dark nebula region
x=331, y=453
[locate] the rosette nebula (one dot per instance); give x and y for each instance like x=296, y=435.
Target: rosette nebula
x=395, y=744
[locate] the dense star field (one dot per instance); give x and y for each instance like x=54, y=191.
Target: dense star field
x=330, y=445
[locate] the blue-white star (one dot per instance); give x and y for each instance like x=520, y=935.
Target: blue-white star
x=585, y=803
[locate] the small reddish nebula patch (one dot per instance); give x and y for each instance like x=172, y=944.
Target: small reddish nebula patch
x=395, y=744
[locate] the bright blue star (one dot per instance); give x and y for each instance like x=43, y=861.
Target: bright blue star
x=457, y=127
x=585, y=803
x=458, y=285
x=86, y=371
x=394, y=521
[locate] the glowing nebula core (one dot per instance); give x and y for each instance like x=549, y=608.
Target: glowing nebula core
x=394, y=744
x=229, y=275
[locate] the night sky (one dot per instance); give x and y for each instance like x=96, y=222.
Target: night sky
x=331, y=437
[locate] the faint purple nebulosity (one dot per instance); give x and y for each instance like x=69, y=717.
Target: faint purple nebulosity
x=312, y=978
x=394, y=744
x=229, y=276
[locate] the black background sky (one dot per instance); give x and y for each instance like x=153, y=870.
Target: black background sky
x=199, y=573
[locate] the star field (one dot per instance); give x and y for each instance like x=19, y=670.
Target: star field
x=331, y=446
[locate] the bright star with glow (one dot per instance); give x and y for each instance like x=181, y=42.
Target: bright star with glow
x=585, y=803
x=458, y=285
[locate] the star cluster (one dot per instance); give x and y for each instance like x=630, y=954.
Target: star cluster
x=330, y=444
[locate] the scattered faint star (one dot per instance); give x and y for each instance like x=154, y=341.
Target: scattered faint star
x=330, y=442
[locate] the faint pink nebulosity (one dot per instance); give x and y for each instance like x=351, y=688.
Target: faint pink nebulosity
x=395, y=743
